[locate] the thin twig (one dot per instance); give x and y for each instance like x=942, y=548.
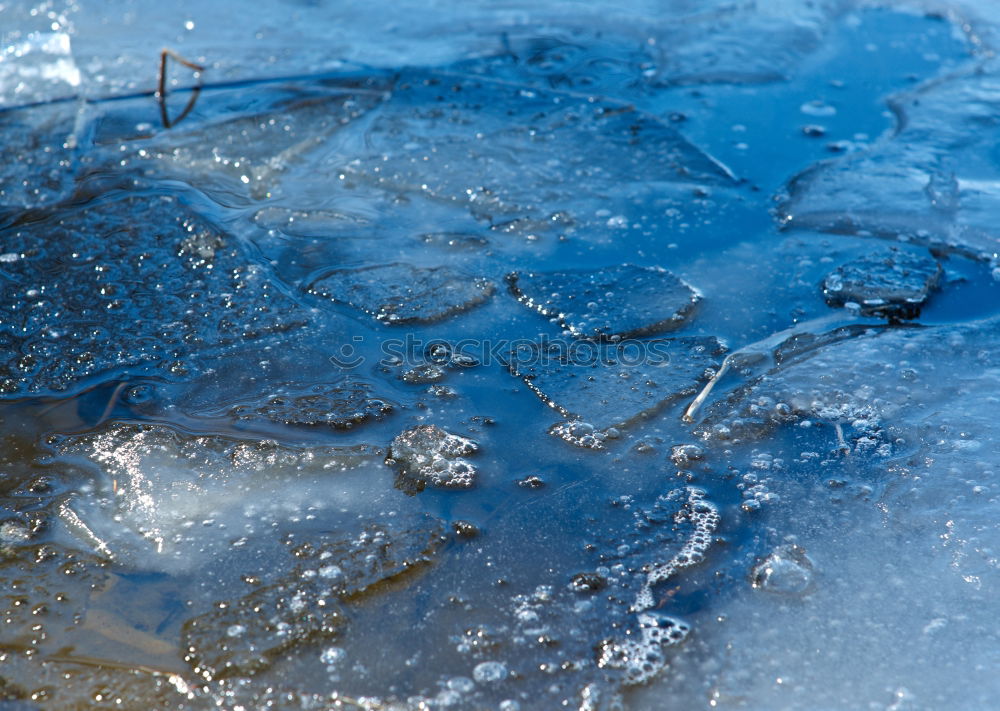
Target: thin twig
x=161, y=90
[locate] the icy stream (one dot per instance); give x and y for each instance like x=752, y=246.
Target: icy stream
x=514, y=356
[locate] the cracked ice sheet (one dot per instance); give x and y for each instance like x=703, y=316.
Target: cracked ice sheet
x=902, y=529
x=238, y=146
x=97, y=289
x=682, y=41
x=638, y=48
x=935, y=181
x=164, y=500
x=505, y=152
x=606, y=385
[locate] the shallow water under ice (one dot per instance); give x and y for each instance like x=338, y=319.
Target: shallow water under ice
x=500, y=356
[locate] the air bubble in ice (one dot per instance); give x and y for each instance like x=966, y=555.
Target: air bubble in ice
x=331, y=572
x=461, y=684
x=684, y=454
x=423, y=374
x=817, y=107
x=332, y=656
x=787, y=571
x=582, y=434
x=489, y=671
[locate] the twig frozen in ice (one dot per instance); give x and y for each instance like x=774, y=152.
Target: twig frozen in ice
x=764, y=347
x=161, y=87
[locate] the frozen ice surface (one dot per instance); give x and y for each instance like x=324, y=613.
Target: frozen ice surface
x=786, y=571
x=931, y=181
x=341, y=405
x=562, y=57
x=402, y=294
x=892, y=283
x=36, y=64
x=726, y=42
x=39, y=152
x=238, y=151
x=528, y=151
x=577, y=642
x=427, y=454
x=885, y=536
x=607, y=304
x=682, y=41
x=138, y=283
x=52, y=593
x=154, y=485
x=613, y=385
x=879, y=395
x=245, y=636
x=547, y=140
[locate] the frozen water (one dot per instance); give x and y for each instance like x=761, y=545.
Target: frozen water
x=245, y=636
x=428, y=455
x=613, y=385
x=38, y=64
x=608, y=304
x=542, y=150
x=931, y=181
x=884, y=442
x=341, y=405
x=37, y=158
x=238, y=153
x=75, y=596
x=892, y=283
x=786, y=571
x=401, y=294
x=203, y=381
x=725, y=42
x=254, y=629
x=164, y=486
x=143, y=271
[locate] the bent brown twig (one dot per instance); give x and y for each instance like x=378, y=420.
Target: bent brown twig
x=161, y=87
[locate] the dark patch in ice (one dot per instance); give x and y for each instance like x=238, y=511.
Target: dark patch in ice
x=426, y=454
x=243, y=637
x=139, y=283
x=403, y=294
x=609, y=303
x=342, y=405
x=588, y=582
x=892, y=283
x=423, y=374
x=602, y=386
